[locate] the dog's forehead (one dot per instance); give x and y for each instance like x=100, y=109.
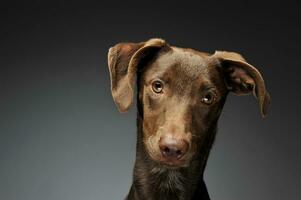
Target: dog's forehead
x=181, y=63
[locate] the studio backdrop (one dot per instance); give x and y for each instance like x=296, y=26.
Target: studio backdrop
x=61, y=135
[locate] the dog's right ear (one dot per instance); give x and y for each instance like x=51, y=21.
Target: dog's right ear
x=123, y=61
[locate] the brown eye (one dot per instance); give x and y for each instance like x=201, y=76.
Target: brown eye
x=157, y=86
x=208, y=98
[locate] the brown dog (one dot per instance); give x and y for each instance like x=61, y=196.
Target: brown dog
x=181, y=93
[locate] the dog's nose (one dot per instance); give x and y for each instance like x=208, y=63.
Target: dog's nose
x=173, y=149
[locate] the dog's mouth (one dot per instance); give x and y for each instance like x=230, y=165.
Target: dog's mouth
x=169, y=162
x=174, y=164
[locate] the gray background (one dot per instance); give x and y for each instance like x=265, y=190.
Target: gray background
x=61, y=136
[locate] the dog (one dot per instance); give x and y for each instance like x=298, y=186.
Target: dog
x=180, y=96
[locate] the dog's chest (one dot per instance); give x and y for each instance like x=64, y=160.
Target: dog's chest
x=169, y=183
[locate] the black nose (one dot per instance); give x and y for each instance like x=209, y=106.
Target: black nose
x=173, y=149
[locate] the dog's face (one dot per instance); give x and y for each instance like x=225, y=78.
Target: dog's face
x=181, y=93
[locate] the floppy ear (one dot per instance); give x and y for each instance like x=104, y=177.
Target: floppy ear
x=243, y=78
x=123, y=61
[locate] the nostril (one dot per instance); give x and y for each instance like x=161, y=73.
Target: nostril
x=166, y=150
x=171, y=152
x=178, y=152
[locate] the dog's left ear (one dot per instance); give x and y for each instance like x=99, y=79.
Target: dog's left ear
x=123, y=61
x=243, y=78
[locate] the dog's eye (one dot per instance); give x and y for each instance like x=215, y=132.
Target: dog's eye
x=208, y=98
x=157, y=86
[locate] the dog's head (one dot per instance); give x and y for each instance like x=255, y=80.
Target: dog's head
x=181, y=93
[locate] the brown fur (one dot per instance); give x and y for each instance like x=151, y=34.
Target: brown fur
x=177, y=113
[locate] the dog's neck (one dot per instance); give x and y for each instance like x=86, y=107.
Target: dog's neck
x=153, y=181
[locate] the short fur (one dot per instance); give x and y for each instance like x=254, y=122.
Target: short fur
x=178, y=112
